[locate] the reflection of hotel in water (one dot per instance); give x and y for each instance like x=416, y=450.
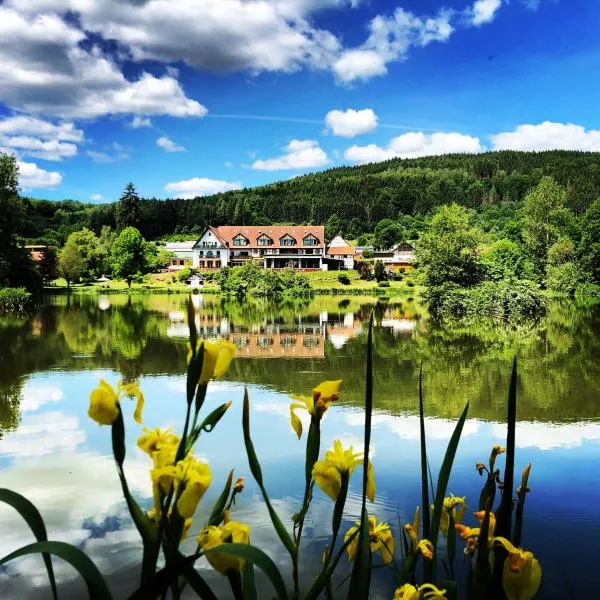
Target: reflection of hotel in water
x=273, y=337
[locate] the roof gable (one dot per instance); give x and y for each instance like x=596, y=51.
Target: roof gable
x=253, y=232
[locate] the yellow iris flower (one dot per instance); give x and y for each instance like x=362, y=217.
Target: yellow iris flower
x=229, y=532
x=406, y=592
x=216, y=359
x=428, y=591
x=521, y=574
x=104, y=402
x=328, y=473
x=196, y=477
x=417, y=545
x=316, y=405
x=152, y=441
x=381, y=540
x=450, y=508
x=480, y=514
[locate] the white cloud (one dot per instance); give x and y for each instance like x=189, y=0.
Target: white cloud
x=359, y=65
x=36, y=396
x=32, y=176
x=45, y=149
x=40, y=128
x=413, y=145
x=45, y=69
x=139, y=122
x=548, y=136
x=168, y=145
x=351, y=122
x=299, y=154
x=484, y=11
x=96, y=197
x=531, y=4
x=111, y=153
x=547, y=436
x=200, y=186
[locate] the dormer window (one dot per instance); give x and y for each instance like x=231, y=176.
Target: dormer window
x=311, y=240
x=264, y=240
x=240, y=240
x=287, y=240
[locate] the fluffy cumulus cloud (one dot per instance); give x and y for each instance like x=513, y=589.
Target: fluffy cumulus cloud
x=200, y=186
x=359, y=65
x=484, y=11
x=548, y=136
x=413, y=145
x=139, y=122
x=96, y=197
x=168, y=145
x=31, y=176
x=45, y=68
x=350, y=123
x=298, y=154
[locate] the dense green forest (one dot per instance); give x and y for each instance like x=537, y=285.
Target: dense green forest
x=349, y=199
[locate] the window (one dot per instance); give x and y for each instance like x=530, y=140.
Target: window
x=240, y=240
x=265, y=240
x=287, y=240
x=311, y=240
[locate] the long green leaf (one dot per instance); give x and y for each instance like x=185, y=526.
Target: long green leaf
x=258, y=558
x=442, y=485
x=97, y=588
x=33, y=518
x=198, y=584
x=424, y=483
x=248, y=582
x=360, y=580
x=216, y=516
x=256, y=471
x=504, y=512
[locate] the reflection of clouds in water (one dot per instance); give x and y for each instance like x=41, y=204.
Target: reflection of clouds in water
x=547, y=436
x=407, y=426
x=179, y=386
x=36, y=396
x=70, y=490
x=43, y=434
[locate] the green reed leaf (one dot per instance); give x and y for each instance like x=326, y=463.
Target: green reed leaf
x=256, y=471
x=248, y=582
x=482, y=576
x=442, y=485
x=258, y=558
x=198, y=584
x=97, y=588
x=424, y=482
x=504, y=512
x=360, y=580
x=313, y=447
x=193, y=373
x=213, y=418
x=191, y=315
x=216, y=516
x=34, y=519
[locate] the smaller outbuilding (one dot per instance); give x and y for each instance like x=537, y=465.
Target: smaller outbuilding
x=195, y=282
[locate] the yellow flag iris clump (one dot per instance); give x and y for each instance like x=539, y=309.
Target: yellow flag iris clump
x=316, y=405
x=227, y=533
x=454, y=509
x=216, y=358
x=104, y=402
x=381, y=538
x=521, y=573
x=427, y=591
x=340, y=462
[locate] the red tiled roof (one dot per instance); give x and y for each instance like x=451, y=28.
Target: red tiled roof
x=341, y=250
x=226, y=233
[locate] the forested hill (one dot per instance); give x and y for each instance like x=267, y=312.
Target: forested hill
x=360, y=196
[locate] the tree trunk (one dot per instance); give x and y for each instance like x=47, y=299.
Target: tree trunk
x=129, y=283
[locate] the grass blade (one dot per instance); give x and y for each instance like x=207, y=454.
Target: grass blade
x=32, y=517
x=97, y=588
x=256, y=471
x=424, y=483
x=198, y=584
x=258, y=558
x=442, y=486
x=504, y=512
x=361, y=572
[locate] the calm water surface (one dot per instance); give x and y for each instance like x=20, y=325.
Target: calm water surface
x=52, y=453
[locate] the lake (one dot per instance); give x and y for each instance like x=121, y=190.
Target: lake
x=51, y=452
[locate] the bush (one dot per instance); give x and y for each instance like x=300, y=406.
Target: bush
x=344, y=279
x=564, y=278
x=14, y=299
x=384, y=284
x=410, y=283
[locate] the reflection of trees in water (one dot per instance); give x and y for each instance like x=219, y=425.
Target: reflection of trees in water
x=560, y=372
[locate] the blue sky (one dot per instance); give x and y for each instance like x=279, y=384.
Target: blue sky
x=190, y=97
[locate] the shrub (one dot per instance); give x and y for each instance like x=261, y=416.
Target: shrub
x=564, y=278
x=344, y=279
x=14, y=299
x=384, y=284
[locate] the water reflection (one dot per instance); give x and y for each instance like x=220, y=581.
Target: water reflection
x=51, y=452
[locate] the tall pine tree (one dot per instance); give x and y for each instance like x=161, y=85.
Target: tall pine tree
x=129, y=211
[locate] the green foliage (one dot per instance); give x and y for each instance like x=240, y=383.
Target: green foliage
x=368, y=253
x=448, y=250
x=564, y=278
x=333, y=227
x=506, y=259
x=129, y=213
x=48, y=266
x=365, y=270
x=379, y=271
x=589, y=248
x=343, y=279
x=541, y=210
x=13, y=299
x=254, y=280
x=82, y=257
x=561, y=252
x=130, y=255
x=387, y=234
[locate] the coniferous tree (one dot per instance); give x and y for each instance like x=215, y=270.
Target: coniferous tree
x=129, y=212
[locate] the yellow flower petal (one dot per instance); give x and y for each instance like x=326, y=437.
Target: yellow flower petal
x=132, y=390
x=353, y=545
x=213, y=537
x=197, y=481
x=406, y=592
x=430, y=591
x=371, y=482
x=328, y=478
x=224, y=358
x=295, y=420
x=104, y=404
x=324, y=394
x=521, y=575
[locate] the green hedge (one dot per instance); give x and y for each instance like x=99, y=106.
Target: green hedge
x=14, y=299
